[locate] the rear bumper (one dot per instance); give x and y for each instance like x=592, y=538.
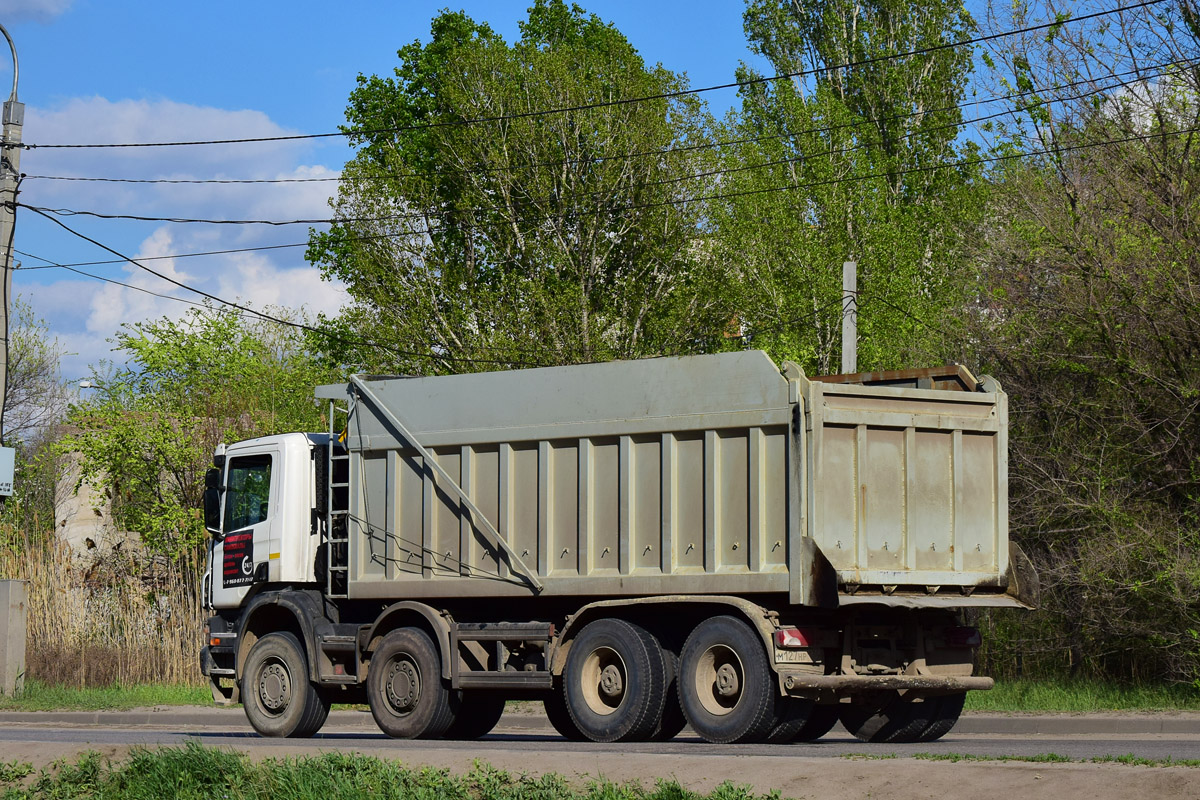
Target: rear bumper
x=802, y=684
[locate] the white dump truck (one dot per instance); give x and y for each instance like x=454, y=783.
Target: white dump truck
x=711, y=541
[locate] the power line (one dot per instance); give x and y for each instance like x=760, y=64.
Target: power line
x=627, y=100
x=632, y=207
x=331, y=335
x=68, y=268
x=1141, y=73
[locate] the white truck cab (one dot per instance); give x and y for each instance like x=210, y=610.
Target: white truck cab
x=260, y=502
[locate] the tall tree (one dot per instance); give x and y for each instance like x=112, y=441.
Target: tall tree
x=855, y=157
x=479, y=225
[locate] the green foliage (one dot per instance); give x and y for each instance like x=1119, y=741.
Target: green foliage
x=39, y=696
x=146, y=435
x=842, y=164
x=193, y=771
x=520, y=238
x=1093, y=266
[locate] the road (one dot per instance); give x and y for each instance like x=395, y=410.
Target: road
x=524, y=743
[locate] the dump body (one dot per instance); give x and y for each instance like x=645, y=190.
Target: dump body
x=699, y=475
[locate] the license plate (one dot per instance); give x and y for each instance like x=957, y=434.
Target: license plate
x=792, y=657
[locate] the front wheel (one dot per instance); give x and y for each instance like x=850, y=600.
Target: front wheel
x=405, y=689
x=278, y=698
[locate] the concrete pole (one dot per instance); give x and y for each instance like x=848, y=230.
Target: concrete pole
x=12, y=637
x=849, y=317
x=10, y=174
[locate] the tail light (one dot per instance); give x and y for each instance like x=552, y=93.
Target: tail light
x=962, y=637
x=794, y=639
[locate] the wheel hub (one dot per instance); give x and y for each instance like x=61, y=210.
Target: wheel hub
x=274, y=687
x=611, y=682
x=728, y=684
x=403, y=686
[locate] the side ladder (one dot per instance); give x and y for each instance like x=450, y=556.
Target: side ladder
x=337, y=513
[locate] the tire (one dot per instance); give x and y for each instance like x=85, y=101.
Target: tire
x=276, y=694
x=555, y=704
x=791, y=715
x=726, y=686
x=819, y=722
x=945, y=716
x=478, y=713
x=615, y=682
x=890, y=720
x=405, y=690
x=672, y=721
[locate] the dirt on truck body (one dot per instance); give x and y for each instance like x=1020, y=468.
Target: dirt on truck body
x=709, y=540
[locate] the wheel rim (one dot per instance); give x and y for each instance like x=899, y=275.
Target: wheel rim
x=604, y=680
x=402, y=686
x=720, y=680
x=274, y=686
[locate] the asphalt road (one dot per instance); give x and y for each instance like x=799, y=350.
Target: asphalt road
x=1175, y=736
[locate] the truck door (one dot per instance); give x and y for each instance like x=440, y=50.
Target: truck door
x=240, y=557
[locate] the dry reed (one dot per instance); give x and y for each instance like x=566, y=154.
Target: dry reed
x=120, y=618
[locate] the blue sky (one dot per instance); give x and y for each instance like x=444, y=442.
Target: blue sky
x=139, y=71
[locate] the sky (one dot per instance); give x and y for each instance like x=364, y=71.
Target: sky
x=113, y=71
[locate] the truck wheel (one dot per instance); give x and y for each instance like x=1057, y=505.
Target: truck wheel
x=278, y=698
x=555, y=704
x=673, y=721
x=615, y=682
x=725, y=684
x=404, y=687
x=477, y=715
x=820, y=722
x=892, y=720
x=945, y=716
x=791, y=715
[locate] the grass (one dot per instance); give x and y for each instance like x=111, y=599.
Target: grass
x=193, y=772
x=1055, y=758
x=1082, y=696
x=41, y=697
x=1007, y=697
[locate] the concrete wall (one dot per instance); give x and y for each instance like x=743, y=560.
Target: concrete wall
x=12, y=636
x=83, y=516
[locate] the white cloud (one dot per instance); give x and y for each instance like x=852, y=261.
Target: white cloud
x=13, y=11
x=85, y=314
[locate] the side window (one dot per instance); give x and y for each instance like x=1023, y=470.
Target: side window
x=247, y=496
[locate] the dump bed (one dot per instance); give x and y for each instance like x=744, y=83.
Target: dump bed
x=715, y=474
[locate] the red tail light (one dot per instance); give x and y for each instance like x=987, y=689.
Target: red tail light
x=793, y=639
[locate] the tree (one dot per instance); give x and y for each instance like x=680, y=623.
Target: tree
x=476, y=231
x=1093, y=266
x=147, y=434
x=35, y=402
x=849, y=162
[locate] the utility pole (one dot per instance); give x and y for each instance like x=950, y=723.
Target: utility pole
x=849, y=317
x=10, y=176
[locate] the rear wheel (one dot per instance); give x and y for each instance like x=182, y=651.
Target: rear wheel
x=820, y=722
x=405, y=689
x=725, y=683
x=890, y=719
x=555, y=704
x=673, y=721
x=278, y=698
x=945, y=716
x=615, y=682
x=478, y=713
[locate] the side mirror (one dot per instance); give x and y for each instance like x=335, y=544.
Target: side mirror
x=212, y=502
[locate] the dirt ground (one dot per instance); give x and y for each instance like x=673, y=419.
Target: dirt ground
x=799, y=777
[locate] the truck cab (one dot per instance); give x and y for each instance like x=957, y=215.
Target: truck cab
x=261, y=510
